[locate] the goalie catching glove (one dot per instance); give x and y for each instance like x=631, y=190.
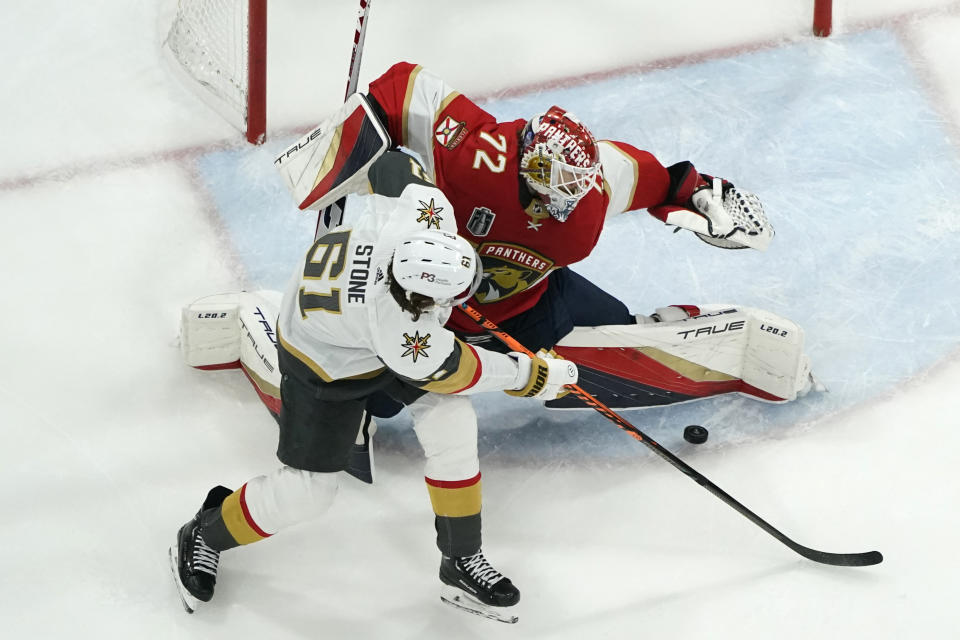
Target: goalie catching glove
x=543, y=375
x=714, y=209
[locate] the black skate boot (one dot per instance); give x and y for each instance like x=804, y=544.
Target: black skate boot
x=470, y=583
x=193, y=562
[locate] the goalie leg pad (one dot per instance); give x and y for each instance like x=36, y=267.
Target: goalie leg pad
x=724, y=349
x=210, y=332
x=235, y=330
x=258, y=344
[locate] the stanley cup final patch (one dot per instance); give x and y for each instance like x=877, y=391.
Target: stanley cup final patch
x=480, y=221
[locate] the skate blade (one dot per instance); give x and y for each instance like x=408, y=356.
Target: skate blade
x=462, y=600
x=189, y=602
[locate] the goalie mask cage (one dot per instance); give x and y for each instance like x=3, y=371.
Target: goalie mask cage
x=220, y=46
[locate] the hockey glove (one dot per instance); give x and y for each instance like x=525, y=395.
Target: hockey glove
x=714, y=209
x=708, y=200
x=543, y=376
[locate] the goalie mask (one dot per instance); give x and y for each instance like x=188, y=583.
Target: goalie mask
x=559, y=160
x=437, y=264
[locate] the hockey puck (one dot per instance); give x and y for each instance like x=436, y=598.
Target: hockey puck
x=695, y=434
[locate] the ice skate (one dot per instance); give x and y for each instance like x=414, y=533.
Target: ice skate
x=193, y=562
x=471, y=584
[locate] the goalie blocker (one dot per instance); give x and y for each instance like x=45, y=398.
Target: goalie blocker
x=721, y=349
x=331, y=162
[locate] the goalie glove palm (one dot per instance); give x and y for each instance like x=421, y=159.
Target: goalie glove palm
x=543, y=375
x=708, y=201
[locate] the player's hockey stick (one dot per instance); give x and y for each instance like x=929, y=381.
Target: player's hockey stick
x=838, y=559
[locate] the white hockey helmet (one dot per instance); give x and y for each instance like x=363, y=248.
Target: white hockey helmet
x=437, y=264
x=559, y=160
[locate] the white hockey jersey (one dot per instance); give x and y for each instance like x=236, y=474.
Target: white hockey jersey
x=339, y=318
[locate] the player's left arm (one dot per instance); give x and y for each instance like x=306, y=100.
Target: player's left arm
x=410, y=100
x=428, y=356
x=468, y=370
x=713, y=208
x=632, y=179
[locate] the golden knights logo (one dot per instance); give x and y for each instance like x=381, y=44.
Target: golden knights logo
x=509, y=269
x=415, y=346
x=430, y=213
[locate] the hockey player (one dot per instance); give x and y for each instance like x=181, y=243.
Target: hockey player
x=364, y=315
x=533, y=195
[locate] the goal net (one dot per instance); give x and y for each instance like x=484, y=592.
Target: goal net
x=220, y=48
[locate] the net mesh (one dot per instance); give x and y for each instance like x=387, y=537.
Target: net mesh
x=208, y=38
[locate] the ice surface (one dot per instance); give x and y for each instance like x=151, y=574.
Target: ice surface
x=124, y=198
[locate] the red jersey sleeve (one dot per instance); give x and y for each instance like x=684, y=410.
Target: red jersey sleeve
x=632, y=179
x=390, y=91
x=416, y=104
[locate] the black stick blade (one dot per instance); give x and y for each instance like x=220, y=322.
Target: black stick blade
x=865, y=559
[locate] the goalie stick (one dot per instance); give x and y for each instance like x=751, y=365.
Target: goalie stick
x=358, y=37
x=837, y=559
x=332, y=214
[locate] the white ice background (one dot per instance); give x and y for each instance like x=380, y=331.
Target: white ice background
x=123, y=198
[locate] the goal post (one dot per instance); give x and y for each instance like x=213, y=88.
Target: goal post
x=822, y=18
x=257, y=72
x=219, y=48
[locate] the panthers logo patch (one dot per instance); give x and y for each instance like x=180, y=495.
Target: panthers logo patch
x=509, y=269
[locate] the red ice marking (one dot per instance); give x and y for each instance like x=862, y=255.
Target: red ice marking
x=184, y=155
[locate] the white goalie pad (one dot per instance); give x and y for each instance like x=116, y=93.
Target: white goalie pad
x=210, y=332
x=332, y=161
x=724, y=349
x=235, y=330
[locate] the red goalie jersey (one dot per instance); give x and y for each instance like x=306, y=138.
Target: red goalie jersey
x=476, y=161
